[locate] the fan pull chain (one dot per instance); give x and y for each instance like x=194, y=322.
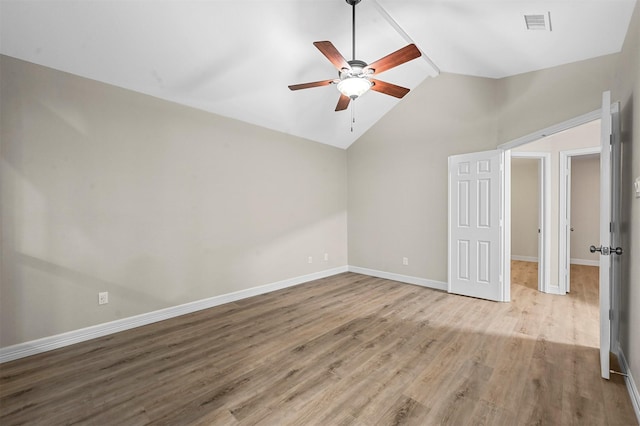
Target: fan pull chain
x=353, y=115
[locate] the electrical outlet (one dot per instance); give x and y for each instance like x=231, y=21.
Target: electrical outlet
x=326, y=257
x=405, y=261
x=103, y=298
x=310, y=260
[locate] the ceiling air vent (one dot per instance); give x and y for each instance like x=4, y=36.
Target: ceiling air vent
x=538, y=22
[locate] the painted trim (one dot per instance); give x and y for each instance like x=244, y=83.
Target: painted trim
x=631, y=384
x=505, y=225
x=524, y=258
x=423, y=282
x=557, y=128
x=449, y=202
x=584, y=262
x=592, y=150
x=49, y=343
x=545, y=174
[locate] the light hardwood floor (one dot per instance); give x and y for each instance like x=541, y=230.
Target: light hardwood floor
x=345, y=350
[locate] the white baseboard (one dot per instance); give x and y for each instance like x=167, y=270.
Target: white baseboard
x=631, y=384
x=524, y=258
x=45, y=344
x=585, y=262
x=438, y=285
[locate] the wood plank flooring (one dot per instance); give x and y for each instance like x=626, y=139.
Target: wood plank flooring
x=345, y=350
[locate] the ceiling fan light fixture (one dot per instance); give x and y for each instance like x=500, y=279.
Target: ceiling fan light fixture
x=355, y=77
x=354, y=87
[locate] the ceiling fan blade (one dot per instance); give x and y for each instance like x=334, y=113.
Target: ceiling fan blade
x=329, y=50
x=343, y=103
x=396, y=58
x=310, y=85
x=389, y=89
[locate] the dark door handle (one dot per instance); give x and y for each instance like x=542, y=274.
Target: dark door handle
x=606, y=250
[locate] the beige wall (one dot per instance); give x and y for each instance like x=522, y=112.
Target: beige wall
x=524, y=208
x=585, y=207
x=398, y=174
x=104, y=189
x=533, y=101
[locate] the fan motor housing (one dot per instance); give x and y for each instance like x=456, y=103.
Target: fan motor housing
x=354, y=64
x=352, y=2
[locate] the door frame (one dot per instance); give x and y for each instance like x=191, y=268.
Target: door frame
x=544, y=215
x=556, y=128
x=612, y=299
x=564, y=212
x=533, y=137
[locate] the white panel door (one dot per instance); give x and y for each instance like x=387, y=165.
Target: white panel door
x=605, y=235
x=475, y=184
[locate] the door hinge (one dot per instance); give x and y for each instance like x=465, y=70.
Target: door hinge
x=610, y=227
x=610, y=314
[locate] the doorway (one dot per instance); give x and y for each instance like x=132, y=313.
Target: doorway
x=579, y=210
x=609, y=141
x=530, y=214
x=554, y=153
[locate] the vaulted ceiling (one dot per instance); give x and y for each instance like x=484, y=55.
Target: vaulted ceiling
x=236, y=58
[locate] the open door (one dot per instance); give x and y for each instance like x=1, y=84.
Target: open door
x=476, y=225
x=609, y=188
x=605, y=235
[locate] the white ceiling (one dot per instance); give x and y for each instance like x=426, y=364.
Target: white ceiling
x=236, y=58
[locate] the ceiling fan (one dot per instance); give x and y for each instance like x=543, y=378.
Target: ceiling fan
x=355, y=76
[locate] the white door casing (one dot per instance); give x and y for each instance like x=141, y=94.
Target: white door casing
x=542, y=196
x=476, y=234
x=564, y=266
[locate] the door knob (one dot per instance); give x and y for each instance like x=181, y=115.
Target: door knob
x=606, y=250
